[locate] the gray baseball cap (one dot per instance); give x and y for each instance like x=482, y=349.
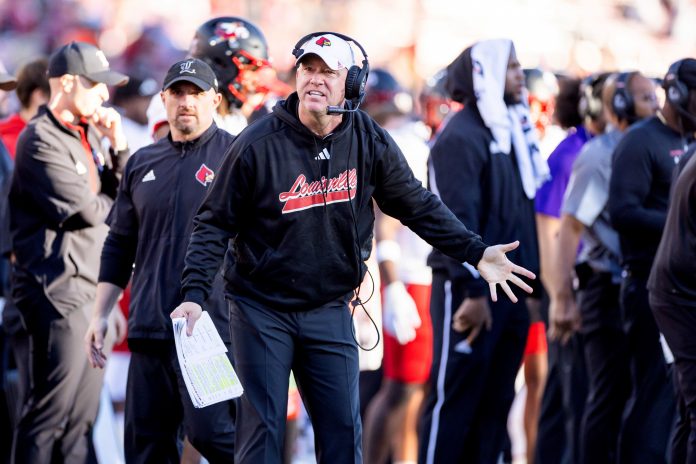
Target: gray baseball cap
x=83, y=59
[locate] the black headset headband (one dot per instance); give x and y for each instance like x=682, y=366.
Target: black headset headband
x=297, y=51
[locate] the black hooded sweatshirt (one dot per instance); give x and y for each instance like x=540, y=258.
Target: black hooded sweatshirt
x=483, y=188
x=299, y=211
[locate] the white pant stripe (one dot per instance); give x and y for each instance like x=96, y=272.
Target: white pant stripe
x=440, y=384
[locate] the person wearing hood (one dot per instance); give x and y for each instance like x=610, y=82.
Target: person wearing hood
x=295, y=193
x=486, y=167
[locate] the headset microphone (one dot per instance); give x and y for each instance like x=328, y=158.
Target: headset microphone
x=341, y=110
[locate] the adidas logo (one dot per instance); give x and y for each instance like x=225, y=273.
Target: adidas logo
x=323, y=155
x=149, y=176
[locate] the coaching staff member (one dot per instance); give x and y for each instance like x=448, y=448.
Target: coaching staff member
x=152, y=231
x=671, y=284
x=642, y=171
x=295, y=193
x=62, y=190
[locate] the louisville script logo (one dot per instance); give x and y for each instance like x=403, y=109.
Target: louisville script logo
x=304, y=195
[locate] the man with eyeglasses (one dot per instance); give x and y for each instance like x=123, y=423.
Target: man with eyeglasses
x=62, y=190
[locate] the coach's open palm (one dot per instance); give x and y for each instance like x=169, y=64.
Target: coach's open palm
x=497, y=269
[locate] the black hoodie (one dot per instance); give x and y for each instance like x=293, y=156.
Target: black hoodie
x=293, y=203
x=482, y=188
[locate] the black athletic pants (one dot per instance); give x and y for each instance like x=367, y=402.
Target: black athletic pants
x=466, y=408
x=678, y=324
x=158, y=404
x=607, y=369
x=650, y=410
x=319, y=346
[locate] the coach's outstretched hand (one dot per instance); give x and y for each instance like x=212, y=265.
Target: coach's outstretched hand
x=189, y=310
x=497, y=269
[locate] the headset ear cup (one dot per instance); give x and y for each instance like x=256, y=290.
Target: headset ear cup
x=352, y=83
x=677, y=93
x=582, y=107
x=362, y=82
x=594, y=106
x=620, y=105
x=622, y=101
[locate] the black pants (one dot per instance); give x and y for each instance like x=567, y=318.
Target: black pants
x=63, y=397
x=607, y=369
x=318, y=345
x=563, y=404
x=157, y=404
x=678, y=324
x=466, y=408
x=650, y=410
x=17, y=350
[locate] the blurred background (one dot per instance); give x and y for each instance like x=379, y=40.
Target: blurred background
x=413, y=38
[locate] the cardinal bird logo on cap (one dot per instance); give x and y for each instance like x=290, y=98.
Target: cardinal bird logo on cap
x=323, y=42
x=205, y=175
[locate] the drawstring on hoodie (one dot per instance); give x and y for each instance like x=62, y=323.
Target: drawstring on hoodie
x=358, y=302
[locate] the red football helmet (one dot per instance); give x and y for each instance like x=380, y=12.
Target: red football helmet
x=232, y=47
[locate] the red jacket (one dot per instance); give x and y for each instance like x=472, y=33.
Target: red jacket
x=9, y=132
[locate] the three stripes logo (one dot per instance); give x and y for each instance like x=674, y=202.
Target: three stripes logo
x=323, y=155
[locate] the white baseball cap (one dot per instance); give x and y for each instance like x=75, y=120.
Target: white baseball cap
x=336, y=52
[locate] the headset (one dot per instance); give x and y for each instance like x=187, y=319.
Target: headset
x=677, y=92
x=590, y=104
x=622, y=102
x=357, y=76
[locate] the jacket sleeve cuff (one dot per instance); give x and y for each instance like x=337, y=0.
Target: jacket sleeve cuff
x=476, y=253
x=119, y=158
x=195, y=295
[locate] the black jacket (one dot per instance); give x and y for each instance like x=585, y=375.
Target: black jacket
x=674, y=269
x=62, y=189
x=6, y=167
x=300, y=211
x=484, y=191
x=642, y=167
x=151, y=222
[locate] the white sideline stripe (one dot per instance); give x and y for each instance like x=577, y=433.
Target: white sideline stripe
x=440, y=384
